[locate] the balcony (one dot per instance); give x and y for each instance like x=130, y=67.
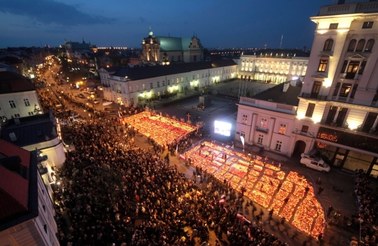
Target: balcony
x=313, y=96
x=261, y=129
x=350, y=76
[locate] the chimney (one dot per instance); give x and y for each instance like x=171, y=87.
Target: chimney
x=285, y=87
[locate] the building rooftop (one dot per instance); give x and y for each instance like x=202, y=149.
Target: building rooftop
x=277, y=53
x=144, y=72
x=18, y=185
x=278, y=95
x=29, y=130
x=11, y=82
x=344, y=7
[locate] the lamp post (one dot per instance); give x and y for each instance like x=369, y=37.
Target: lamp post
x=242, y=140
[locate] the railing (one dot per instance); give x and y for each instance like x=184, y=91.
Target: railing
x=260, y=129
x=313, y=96
x=365, y=7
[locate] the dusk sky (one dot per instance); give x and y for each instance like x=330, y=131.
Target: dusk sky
x=218, y=23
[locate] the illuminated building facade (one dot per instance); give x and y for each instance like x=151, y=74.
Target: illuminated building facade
x=268, y=119
x=27, y=213
x=18, y=97
x=338, y=106
x=273, y=66
x=140, y=85
x=166, y=50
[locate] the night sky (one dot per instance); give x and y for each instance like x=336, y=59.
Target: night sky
x=218, y=23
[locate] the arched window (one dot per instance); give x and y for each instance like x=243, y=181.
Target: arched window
x=352, y=45
x=369, y=45
x=360, y=45
x=328, y=45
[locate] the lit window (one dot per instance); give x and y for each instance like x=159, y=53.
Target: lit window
x=345, y=90
x=278, y=145
x=323, y=65
x=282, y=129
x=367, y=25
x=264, y=123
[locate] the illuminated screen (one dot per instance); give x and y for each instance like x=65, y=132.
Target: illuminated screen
x=222, y=128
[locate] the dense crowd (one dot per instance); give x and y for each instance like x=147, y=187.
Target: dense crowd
x=367, y=204
x=114, y=192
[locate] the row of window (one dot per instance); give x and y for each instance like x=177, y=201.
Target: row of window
x=260, y=139
x=361, y=46
x=350, y=67
x=12, y=103
x=365, y=25
x=264, y=124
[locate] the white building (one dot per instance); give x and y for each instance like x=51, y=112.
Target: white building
x=338, y=106
x=27, y=213
x=137, y=85
x=18, y=97
x=273, y=66
x=268, y=119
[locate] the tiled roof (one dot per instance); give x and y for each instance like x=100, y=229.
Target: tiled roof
x=137, y=73
x=13, y=82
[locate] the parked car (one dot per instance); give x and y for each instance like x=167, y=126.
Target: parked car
x=314, y=163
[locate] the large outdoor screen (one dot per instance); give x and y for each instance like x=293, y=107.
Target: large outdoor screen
x=222, y=128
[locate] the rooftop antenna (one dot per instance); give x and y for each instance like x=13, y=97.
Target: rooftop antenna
x=281, y=41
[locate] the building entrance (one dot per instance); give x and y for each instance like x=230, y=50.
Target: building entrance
x=299, y=148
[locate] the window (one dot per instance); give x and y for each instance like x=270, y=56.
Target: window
x=333, y=25
x=354, y=89
x=369, y=45
x=362, y=67
x=310, y=109
x=278, y=145
x=282, y=129
x=343, y=68
x=26, y=101
x=328, y=45
x=45, y=228
x=264, y=123
x=367, y=25
x=158, y=84
x=316, y=89
x=360, y=45
x=352, y=45
x=352, y=69
x=12, y=104
x=260, y=139
x=323, y=65
x=345, y=90
x=244, y=118
x=304, y=129
x=16, y=115
x=151, y=85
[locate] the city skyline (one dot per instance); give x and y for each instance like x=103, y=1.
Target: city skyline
x=218, y=24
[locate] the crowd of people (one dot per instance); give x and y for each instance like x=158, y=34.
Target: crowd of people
x=114, y=192
x=367, y=204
